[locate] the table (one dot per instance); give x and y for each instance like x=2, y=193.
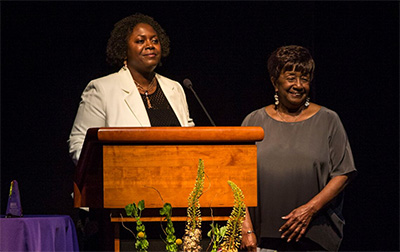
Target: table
x=38, y=233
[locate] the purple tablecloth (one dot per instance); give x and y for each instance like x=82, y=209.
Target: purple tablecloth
x=38, y=233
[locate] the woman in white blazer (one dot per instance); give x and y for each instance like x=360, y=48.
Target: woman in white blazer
x=135, y=96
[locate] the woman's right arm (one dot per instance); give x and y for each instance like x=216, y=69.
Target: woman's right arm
x=91, y=113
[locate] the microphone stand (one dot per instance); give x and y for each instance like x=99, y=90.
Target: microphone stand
x=201, y=104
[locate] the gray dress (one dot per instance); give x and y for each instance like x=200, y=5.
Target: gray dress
x=295, y=162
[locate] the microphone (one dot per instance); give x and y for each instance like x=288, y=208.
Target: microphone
x=188, y=84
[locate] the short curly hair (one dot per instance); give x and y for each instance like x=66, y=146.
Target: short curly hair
x=290, y=57
x=118, y=42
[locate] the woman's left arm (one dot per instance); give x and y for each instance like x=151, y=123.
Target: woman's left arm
x=249, y=239
x=299, y=219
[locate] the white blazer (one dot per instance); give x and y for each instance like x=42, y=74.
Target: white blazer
x=114, y=101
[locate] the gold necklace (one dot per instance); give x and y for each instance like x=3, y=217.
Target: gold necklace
x=295, y=118
x=146, y=91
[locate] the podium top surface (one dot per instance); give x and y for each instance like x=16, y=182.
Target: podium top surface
x=175, y=134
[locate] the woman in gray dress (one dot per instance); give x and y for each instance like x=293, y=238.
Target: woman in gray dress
x=304, y=163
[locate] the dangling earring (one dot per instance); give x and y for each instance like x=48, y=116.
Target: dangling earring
x=125, y=67
x=276, y=100
x=307, y=102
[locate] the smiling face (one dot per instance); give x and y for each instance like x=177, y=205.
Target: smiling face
x=293, y=88
x=144, y=49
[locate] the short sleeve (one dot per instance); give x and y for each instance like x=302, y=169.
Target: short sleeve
x=341, y=156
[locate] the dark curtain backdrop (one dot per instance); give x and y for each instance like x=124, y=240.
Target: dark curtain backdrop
x=51, y=50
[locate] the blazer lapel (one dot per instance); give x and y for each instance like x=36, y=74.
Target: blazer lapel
x=172, y=96
x=133, y=99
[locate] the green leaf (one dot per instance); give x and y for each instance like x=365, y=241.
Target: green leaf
x=167, y=207
x=141, y=205
x=223, y=230
x=129, y=209
x=137, y=244
x=163, y=211
x=170, y=239
x=135, y=210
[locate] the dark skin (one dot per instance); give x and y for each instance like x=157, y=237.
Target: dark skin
x=249, y=241
x=143, y=54
x=292, y=89
x=297, y=221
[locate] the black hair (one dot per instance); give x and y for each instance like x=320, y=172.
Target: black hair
x=288, y=58
x=118, y=42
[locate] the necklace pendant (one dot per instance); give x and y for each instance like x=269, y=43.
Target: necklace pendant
x=148, y=101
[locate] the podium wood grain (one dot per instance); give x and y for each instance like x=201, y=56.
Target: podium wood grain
x=119, y=166
x=133, y=173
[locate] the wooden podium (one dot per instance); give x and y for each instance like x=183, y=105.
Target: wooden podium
x=119, y=166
